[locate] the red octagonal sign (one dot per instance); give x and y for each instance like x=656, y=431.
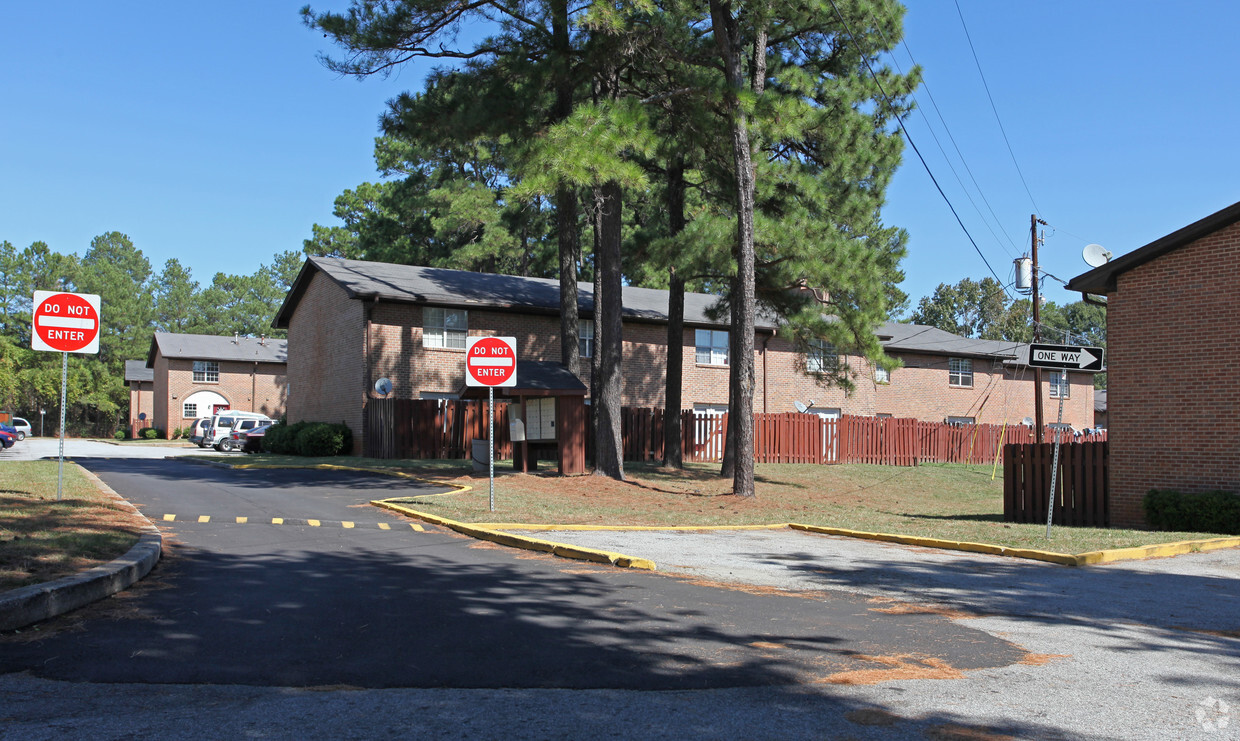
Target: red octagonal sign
x=491, y=361
x=65, y=322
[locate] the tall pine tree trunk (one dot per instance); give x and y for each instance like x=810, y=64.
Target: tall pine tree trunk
x=726, y=31
x=674, y=393
x=565, y=197
x=608, y=309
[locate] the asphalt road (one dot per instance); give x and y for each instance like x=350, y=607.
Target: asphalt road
x=346, y=603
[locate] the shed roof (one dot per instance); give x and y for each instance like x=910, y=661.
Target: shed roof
x=214, y=347
x=137, y=370
x=1101, y=280
x=534, y=378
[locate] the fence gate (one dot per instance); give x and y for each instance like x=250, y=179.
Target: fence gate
x=1082, y=491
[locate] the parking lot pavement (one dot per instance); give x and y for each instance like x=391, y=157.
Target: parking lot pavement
x=39, y=448
x=1134, y=649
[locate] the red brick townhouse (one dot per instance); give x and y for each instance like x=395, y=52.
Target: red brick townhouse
x=351, y=323
x=141, y=383
x=1173, y=399
x=198, y=375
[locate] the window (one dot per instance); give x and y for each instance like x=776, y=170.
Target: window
x=712, y=347
x=821, y=357
x=206, y=371
x=189, y=410
x=585, y=339
x=883, y=415
x=959, y=420
x=444, y=327
x=960, y=372
x=882, y=375
x=1059, y=388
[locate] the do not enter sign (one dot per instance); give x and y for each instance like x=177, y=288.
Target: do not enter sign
x=65, y=322
x=491, y=361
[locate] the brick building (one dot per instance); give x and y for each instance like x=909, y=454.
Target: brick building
x=351, y=323
x=1168, y=305
x=141, y=383
x=197, y=375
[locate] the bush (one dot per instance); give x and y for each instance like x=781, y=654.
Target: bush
x=1206, y=512
x=310, y=439
x=120, y=435
x=150, y=433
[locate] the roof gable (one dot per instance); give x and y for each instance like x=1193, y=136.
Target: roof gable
x=1102, y=280
x=214, y=347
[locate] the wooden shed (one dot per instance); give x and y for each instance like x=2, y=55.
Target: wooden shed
x=549, y=402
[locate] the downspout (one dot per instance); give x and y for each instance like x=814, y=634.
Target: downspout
x=766, y=342
x=254, y=388
x=369, y=374
x=1086, y=298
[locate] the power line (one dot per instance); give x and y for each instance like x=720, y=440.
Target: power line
x=865, y=58
x=942, y=120
x=994, y=109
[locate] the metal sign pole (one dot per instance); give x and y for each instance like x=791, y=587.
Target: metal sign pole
x=64, y=378
x=491, y=439
x=1050, y=507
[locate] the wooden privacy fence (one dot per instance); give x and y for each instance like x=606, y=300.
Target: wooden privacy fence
x=1081, y=489
x=431, y=428
x=808, y=438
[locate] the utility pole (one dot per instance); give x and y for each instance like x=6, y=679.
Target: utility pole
x=1037, y=330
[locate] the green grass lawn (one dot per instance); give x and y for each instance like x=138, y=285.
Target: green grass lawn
x=42, y=538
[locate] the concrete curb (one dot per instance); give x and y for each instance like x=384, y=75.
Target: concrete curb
x=563, y=550
x=37, y=602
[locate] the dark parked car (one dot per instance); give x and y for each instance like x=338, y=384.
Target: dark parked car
x=249, y=441
x=7, y=438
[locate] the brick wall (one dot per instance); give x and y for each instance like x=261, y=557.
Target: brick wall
x=245, y=387
x=141, y=400
x=1173, y=401
x=327, y=381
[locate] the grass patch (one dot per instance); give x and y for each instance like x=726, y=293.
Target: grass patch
x=947, y=501
x=43, y=539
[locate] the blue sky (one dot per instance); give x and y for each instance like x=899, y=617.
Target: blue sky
x=211, y=133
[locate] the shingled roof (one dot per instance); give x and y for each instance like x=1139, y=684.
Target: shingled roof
x=463, y=289
x=214, y=347
x=467, y=290
x=136, y=370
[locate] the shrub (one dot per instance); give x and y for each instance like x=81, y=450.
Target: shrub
x=279, y=439
x=120, y=435
x=319, y=440
x=1206, y=512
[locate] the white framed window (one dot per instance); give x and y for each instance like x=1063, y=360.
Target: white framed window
x=189, y=410
x=960, y=372
x=206, y=371
x=1059, y=389
x=585, y=338
x=882, y=375
x=712, y=346
x=821, y=357
x=960, y=420
x=444, y=327
x=883, y=415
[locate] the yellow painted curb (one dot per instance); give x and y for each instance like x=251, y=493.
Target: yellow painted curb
x=634, y=528
x=517, y=541
x=1161, y=550
x=1063, y=559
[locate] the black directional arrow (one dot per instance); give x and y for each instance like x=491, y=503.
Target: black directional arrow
x=1065, y=357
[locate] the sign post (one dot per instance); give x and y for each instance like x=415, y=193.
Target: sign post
x=491, y=362
x=1062, y=358
x=64, y=322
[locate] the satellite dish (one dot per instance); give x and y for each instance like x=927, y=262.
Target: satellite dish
x=800, y=407
x=1028, y=421
x=383, y=386
x=1095, y=255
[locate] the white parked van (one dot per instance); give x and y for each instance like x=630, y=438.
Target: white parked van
x=222, y=425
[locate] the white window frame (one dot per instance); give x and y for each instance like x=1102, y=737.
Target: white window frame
x=817, y=355
x=189, y=410
x=707, y=350
x=436, y=332
x=960, y=372
x=1056, y=388
x=882, y=375
x=206, y=371
x=585, y=338
x=961, y=420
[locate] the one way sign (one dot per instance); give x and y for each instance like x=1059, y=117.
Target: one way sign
x=1065, y=357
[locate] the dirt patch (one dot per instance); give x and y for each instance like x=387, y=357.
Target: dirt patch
x=1041, y=659
x=872, y=717
x=954, y=732
x=895, y=667
x=905, y=608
